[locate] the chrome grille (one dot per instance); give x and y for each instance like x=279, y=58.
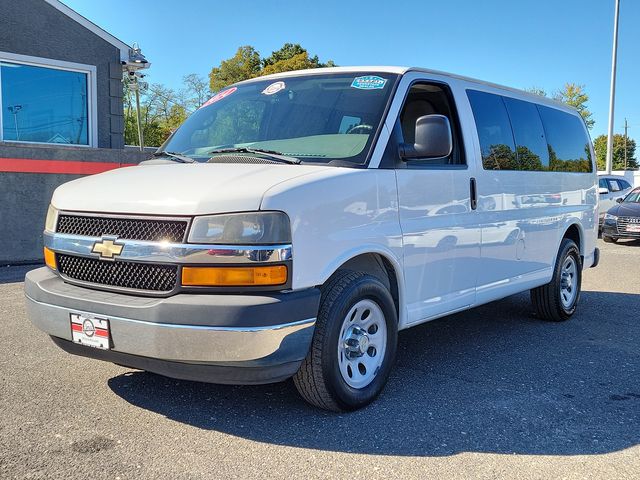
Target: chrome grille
x=148, y=229
x=139, y=276
x=624, y=222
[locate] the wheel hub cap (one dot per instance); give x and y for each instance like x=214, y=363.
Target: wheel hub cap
x=357, y=342
x=362, y=343
x=569, y=282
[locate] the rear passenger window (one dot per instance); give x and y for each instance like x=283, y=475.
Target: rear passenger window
x=531, y=146
x=568, y=142
x=494, y=131
x=614, y=186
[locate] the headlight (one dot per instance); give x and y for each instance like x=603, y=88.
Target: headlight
x=263, y=228
x=608, y=216
x=52, y=219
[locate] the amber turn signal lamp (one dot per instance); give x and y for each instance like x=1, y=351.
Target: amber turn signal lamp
x=234, y=276
x=50, y=258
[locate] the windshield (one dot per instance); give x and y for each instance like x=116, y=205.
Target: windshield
x=316, y=118
x=633, y=197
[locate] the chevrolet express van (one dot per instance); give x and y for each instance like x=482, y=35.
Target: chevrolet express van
x=295, y=223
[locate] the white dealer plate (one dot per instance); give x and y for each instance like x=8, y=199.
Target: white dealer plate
x=633, y=228
x=90, y=331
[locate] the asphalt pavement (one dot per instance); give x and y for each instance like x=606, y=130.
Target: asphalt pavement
x=488, y=393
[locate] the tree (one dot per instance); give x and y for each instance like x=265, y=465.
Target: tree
x=162, y=110
x=574, y=95
x=246, y=64
x=297, y=62
x=600, y=146
x=288, y=52
x=196, y=91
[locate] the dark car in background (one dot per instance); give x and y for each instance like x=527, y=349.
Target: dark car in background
x=623, y=220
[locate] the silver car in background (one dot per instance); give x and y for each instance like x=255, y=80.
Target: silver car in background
x=611, y=188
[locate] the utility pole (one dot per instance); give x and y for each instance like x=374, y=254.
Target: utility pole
x=612, y=97
x=626, y=126
x=132, y=76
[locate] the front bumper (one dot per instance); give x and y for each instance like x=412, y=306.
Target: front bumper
x=218, y=338
x=610, y=229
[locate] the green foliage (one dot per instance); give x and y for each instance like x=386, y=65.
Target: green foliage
x=600, y=146
x=162, y=109
x=243, y=65
x=502, y=157
x=246, y=64
x=577, y=165
x=288, y=51
x=574, y=95
x=297, y=62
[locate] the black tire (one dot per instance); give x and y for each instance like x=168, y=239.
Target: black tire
x=547, y=298
x=608, y=239
x=319, y=380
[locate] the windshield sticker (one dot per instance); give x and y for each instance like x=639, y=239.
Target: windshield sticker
x=274, y=88
x=219, y=96
x=369, y=82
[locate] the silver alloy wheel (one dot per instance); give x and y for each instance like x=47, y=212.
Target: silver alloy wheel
x=568, y=282
x=362, y=343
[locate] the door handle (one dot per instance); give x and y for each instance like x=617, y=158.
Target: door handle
x=473, y=193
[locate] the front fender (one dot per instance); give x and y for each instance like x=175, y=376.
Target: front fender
x=337, y=214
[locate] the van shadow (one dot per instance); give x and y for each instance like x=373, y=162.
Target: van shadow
x=493, y=379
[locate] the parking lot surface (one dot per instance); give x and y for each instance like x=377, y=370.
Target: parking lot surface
x=488, y=393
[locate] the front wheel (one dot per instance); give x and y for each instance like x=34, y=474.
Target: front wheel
x=353, y=346
x=608, y=239
x=557, y=300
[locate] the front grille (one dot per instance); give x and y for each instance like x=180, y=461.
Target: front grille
x=139, y=276
x=624, y=222
x=173, y=231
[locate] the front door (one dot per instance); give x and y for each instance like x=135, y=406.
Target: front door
x=441, y=235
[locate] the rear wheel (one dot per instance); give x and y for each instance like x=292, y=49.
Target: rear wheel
x=353, y=346
x=557, y=300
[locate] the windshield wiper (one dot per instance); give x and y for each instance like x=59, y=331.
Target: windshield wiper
x=271, y=154
x=176, y=157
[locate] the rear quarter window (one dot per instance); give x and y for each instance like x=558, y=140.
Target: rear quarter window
x=567, y=139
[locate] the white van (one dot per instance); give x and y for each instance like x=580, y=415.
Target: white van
x=296, y=222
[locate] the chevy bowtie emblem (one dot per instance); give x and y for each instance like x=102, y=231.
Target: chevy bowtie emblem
x=107, y=248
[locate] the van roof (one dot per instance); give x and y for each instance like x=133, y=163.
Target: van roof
x=402, y=70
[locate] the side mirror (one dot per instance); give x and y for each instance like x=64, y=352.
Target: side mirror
x=603, y=191
x=433, y=138
x=619, y=200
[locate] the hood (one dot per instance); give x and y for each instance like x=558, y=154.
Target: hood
x=625, y=210
x=177, y=189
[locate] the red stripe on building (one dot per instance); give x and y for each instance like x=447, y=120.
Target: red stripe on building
x=25, y=165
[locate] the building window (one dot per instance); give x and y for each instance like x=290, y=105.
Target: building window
x=45, y=104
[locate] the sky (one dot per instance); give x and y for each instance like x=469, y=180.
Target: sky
x=518, y=43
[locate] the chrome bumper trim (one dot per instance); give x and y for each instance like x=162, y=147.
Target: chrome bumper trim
x=179, y=253
x=185, y=343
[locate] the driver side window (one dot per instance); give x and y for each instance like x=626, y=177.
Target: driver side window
x=428, y=99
